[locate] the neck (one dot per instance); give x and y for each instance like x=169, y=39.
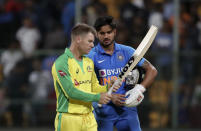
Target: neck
x=76, y=53
x=109, y=49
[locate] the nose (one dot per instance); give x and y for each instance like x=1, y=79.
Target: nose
x=106, y=35
x=92, y=44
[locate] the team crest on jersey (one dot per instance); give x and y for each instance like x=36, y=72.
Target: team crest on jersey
x=120, y=56
x=89, y=69
x=77, y=71
x=76, y=82
x=61, y=73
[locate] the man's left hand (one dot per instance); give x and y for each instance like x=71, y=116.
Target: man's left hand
x=135, y=96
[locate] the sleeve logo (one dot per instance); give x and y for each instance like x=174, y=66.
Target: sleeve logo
x=61, y=73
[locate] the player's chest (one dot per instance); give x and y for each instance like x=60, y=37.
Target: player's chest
x=80, y=71
x=104, y=61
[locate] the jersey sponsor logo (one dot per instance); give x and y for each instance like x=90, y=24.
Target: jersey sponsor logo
x=109, y=72
x=61, y=73
x=89, y=69
x=81, y=82
x=100, y=61
x=102, y=73
x=76, y=82
x=85, y=82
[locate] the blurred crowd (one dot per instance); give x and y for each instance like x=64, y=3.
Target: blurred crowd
x=26, y=89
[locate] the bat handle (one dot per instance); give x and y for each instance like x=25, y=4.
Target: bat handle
x=116, y=83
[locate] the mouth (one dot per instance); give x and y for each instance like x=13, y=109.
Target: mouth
x=89, y=50
x=106, y=41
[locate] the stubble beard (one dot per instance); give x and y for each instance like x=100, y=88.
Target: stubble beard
x=107, y=45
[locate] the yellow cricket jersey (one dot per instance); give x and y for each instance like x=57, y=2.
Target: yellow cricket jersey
x=75, y=83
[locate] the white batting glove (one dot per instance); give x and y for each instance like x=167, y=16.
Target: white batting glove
x=135, y=96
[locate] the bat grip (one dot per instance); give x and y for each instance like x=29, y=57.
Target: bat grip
x=116, y=83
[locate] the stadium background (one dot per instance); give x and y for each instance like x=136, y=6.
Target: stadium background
x=34, y=32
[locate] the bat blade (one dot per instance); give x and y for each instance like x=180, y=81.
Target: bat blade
x=137, y=55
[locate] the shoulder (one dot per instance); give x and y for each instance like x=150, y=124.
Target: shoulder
x=92, y=53
x=127, y=50
x=124, y=47
x=94, y=50
x=88, y=60
x=62, y=60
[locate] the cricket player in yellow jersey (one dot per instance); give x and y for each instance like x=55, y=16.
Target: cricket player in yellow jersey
x=76, y=84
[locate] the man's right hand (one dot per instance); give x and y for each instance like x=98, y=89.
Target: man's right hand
x=118, y=99
x=104, y=98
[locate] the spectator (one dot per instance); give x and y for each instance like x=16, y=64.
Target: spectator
x=10, y=57
x=16, y=91
x=67, y=18
x=156, y=16
x=92, y=10
x=164, y=44
x=40, y=82
x=28, y=36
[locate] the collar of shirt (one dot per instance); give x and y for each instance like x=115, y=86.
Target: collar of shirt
x=68, y=52
x=101, y=50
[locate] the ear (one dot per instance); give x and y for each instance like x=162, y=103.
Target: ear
x=78, y=39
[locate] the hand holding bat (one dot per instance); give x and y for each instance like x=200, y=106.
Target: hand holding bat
x=114, y=85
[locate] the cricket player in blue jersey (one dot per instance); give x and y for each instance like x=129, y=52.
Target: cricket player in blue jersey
x=109, y=59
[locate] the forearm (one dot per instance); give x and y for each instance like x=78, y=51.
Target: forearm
x=83, y=96
x=150, y=76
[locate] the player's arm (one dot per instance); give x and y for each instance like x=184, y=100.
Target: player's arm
x=150, y=74
x=136, y=94
x=63, y=78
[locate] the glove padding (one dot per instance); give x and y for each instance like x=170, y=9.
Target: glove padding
x=135, y=96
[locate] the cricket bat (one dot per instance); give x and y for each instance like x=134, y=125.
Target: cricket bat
x=137, y=55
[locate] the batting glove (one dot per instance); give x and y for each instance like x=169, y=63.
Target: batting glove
x=135, y=96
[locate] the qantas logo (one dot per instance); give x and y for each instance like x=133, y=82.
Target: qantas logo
x=76, y=82
x=81, y=82
x=61, y=73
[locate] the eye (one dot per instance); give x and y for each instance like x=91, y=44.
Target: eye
x=109, y=32
x=102, y=33
x=90, y=41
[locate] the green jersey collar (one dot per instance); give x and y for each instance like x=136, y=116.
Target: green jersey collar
x=68, y=52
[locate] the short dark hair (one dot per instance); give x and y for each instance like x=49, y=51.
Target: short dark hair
x=81, y=29
x=104, y=20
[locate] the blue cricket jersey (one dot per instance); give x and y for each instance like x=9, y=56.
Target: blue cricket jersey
x=107, y=67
